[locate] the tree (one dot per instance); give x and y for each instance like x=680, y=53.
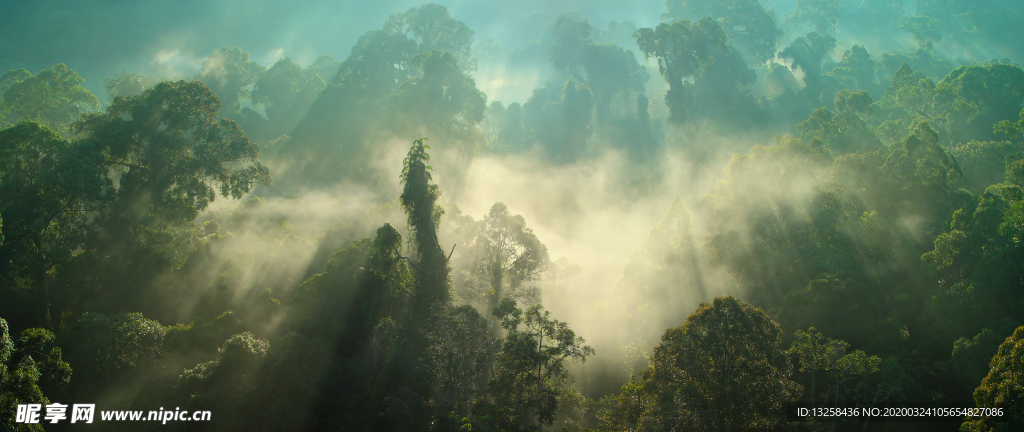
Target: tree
x=844, y=374
x=857, y=71
x=683, y=50
x=569, y=38
x=127, y=84
x=435, y=29
x=174, y=149
x=561, y=122
x=822, y=14
x=48, y=188
x=747, y=23
x=532, y=371
x=326, y=67
x=664, y=270
x=924, y=29
x=54, y=97
x=845, y=131
x=286, y=91
x=380, y=61
x=174, y=154
x=22, y=368
x=983, y=163
x=225, y=384
x=613, y=74
x=509, y=254
x=228, y=72
x=723, y=370
x=419, y=198
x=994, y=91
x=106, y=349
x=806, y=53
x=1012, y=130
x=1002, y=388
x=459, y=352
x=444, y=101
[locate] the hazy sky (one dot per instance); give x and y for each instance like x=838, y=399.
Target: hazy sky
x=103, y=37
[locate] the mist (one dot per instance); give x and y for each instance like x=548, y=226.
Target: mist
x=510, y=216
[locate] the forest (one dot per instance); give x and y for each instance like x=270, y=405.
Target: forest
x=690, y=215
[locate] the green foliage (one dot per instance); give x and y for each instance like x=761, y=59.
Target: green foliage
x=1009, y=128
x=983, y=163
x=127, y=84
x=173, y=153
x=845, y=131
x=1002, y=388
x=228, y=73
x=747, y=23
x=459, y=351
x=846, y=378
x=286, y=91
x=48, y=186
x=434, y=29
x=723, y=369
x=974, y=262
x=925, y=61
x=857, y=71
x=613, y=74
x=561, y=124
x=381, y=60
x=683, y=50
x=924, y=29
x=508, y=255
x=997, y=90
x=822, y=14
x=504, y=129
x=419, y=198
x=570, y=39
x=105, y=348
x=532, y=373
x=892, y=222
x=806, y=54
x=23, y=367
x=174, y=149
x=54, y=97
x=227, y=385
x=295, y=366
x=444, y=101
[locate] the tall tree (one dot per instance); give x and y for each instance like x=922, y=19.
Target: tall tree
x=749, y=25
x=23, y=367
x=822, y=14
x=444, y=101
x=48, y=189
x=723, y=370
x=569, y=38
x=1002, y=389
x=228, y=72
x=434, y=29
x=532, y=374
x=806, y=53
x=924, y=29
x=419, y=198
x=509, y=254
x=381, y=61
x=614, y=75
x=54, y=97
x=683, y=50
x=174, y=154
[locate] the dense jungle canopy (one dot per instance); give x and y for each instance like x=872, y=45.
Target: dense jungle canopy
x=483, y=216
